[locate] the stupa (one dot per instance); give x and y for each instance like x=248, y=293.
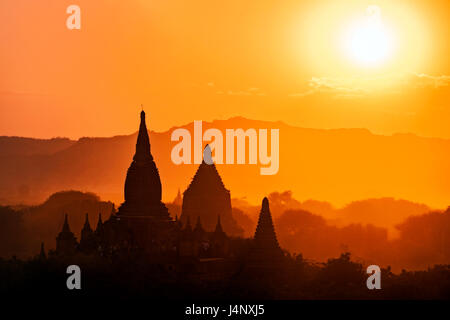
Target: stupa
x=143, y=211
x=206, y=197
x=266, y=251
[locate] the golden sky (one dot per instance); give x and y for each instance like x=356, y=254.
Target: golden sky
x=303, y=62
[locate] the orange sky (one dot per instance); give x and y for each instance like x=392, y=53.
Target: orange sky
x=204, y=60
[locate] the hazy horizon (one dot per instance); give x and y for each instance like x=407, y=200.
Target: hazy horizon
x=168, y=129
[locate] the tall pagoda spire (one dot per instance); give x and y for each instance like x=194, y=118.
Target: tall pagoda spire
x=66, y=228
x=266, y=252
x=87, y=226
x=99, y=223
x=66, y=243
x=87, y=241
x=265, y=236
x=143, y=191
x=143, y=142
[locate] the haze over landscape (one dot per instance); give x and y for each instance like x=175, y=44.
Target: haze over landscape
x=372, y=195
x=338, y=166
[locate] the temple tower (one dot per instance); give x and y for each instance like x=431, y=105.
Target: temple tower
x=87, y=241
x=143, y=184
x=265, y=251
x=219, y=240
x=99, y=229
x=66, y=243
x=143, y=212
x=206, y=197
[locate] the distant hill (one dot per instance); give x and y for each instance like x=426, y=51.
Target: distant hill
x=338, y=166
x=382, y=212
x=18, y=146
x=385, y=213
x=23, y=229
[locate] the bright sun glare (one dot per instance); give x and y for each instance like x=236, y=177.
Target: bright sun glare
x=368, y=41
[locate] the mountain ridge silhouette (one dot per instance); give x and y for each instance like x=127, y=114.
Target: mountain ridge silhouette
x=334, y=165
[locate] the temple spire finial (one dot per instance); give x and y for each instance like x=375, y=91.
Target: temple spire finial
x=99, y=223
x=86, y=222
x=66, y=227
x=265, y=204
x=143, y=142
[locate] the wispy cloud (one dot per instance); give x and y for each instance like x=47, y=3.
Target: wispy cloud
x=357, y=87
x=423, y=80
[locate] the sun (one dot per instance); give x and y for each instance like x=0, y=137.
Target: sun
x=368, y=41
x=356, y=38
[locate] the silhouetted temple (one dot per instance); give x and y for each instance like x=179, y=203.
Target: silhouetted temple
x=143, y=212
x=66, y=241
x=87, y=241
x=206, y=197
x=142, y=223
x=265, y=251
x=143, y=185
